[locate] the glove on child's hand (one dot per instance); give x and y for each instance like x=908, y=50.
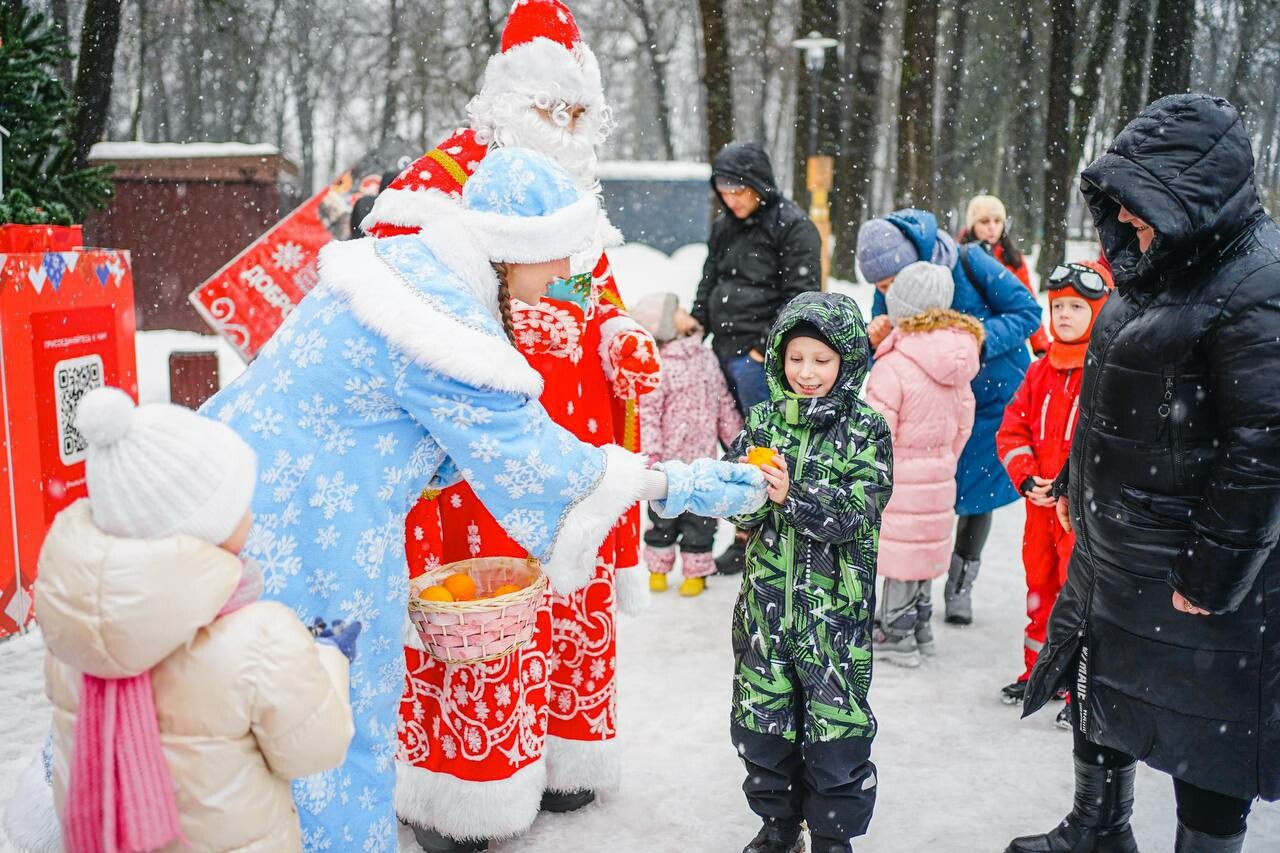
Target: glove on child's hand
x=340, y=634
x=711, y=488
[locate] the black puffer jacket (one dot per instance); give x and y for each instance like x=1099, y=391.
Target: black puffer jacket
x=755, y=265
x=1175, y=467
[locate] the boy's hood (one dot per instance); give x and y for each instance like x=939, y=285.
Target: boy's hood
x=840, y=321
x=113, y=607
x=942, y=342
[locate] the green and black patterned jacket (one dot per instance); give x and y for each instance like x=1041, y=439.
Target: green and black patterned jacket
x=826, y=533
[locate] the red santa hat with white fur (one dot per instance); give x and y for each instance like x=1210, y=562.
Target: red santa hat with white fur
x=543, y=63
x=544, y=59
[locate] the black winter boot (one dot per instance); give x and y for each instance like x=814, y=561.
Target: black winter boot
x=773, y=838
x=818, y=844
x=433, y=842
x=1192, y=841
x=1099, y=819
x=559, y=802
x=733, y=559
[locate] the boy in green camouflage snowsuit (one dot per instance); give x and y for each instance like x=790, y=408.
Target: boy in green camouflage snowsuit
x=802, y=624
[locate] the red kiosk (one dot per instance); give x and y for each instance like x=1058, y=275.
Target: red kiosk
x=66, y=327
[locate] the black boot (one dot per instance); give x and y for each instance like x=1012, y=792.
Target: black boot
x=433, y=842
x=1099, y=819
x=818, y=844
x=1192, y=841
x=734, y=558
x=558, y=802
x=773, y=838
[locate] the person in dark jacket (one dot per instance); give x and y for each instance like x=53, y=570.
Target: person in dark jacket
x=1174, y=492
x=762, y=252
x=987, y=291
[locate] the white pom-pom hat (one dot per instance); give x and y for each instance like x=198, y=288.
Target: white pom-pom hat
x=160, y=470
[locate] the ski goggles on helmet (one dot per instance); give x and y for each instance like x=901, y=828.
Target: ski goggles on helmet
x=1086, y=281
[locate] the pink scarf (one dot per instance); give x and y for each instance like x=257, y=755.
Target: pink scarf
x=121, y=796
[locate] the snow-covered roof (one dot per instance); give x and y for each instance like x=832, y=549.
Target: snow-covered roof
x=653, y=170
x=173, y=150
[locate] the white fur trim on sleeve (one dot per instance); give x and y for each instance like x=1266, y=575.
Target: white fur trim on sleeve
x=387, y=305
x=572, y=562
x=463, y=809
x=410, y=208
x=632, y=584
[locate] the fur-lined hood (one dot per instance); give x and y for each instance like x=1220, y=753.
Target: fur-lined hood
x=942, y=318
x=944, y=343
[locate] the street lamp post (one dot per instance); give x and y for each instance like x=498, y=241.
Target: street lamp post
x=819, y=169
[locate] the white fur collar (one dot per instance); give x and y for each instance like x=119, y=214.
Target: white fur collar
x=385, y=304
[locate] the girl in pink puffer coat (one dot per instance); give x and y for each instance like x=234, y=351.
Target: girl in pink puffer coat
x=682, y=419
x=920, y=383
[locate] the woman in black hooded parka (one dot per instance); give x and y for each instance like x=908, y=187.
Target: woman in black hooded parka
x=1173, y=489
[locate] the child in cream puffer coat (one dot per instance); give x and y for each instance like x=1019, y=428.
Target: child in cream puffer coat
x=921, y=384
x=162, y=663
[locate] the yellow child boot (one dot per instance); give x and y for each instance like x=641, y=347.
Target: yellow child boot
x=693, y=586
x=657, y=582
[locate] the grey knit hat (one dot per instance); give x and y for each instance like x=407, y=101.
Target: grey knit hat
x=917, y=288
x=656, y=312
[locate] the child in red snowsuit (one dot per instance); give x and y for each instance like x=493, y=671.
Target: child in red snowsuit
x=1034, y=442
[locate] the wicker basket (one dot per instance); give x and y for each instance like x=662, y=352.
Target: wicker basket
x=484, y=629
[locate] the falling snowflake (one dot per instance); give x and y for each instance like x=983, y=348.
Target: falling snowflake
x=288, y=256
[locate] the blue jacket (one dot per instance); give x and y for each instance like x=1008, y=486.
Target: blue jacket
x=1009, y=314
x=392, y=375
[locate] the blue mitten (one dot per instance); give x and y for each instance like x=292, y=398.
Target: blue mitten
x=711, y=488
x=340, y=634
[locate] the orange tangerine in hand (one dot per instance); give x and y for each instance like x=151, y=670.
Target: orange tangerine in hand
x=506, y=589
x=460, y=586
x=435, y=593
x=760, y=456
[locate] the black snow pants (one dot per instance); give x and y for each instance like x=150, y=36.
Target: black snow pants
x=831, y=785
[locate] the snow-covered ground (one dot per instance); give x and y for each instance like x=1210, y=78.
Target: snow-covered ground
x=958, y=770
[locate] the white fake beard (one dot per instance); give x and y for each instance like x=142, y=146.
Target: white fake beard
x=510, y=120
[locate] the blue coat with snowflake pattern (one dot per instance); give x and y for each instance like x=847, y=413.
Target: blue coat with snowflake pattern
x=392, y=376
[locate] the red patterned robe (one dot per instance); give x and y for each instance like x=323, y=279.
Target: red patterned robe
x=480, y=743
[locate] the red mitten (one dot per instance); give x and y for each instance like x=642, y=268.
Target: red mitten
x=633, y=364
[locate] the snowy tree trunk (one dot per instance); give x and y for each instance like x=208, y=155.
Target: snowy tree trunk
x=1133, y=76
x=915, y=105
x=1172, y=44
x=948, y=161
x=657, y=62
x=1246, y=56
x=1089, y=80
x=852, y=196
x=717, y=77
x=1028, y=108
x=99, y=33
x=1057, y=135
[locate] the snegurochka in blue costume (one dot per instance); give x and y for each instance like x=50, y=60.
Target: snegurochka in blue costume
x=394, y=374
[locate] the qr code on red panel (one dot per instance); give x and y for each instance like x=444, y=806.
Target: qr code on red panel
x=72, y=379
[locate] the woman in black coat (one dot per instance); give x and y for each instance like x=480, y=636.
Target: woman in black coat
x=1173, y=490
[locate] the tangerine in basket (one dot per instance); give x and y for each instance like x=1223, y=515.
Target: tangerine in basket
x=760, y=456
x=435, y=593
x=506, y=589
x=460, y=586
